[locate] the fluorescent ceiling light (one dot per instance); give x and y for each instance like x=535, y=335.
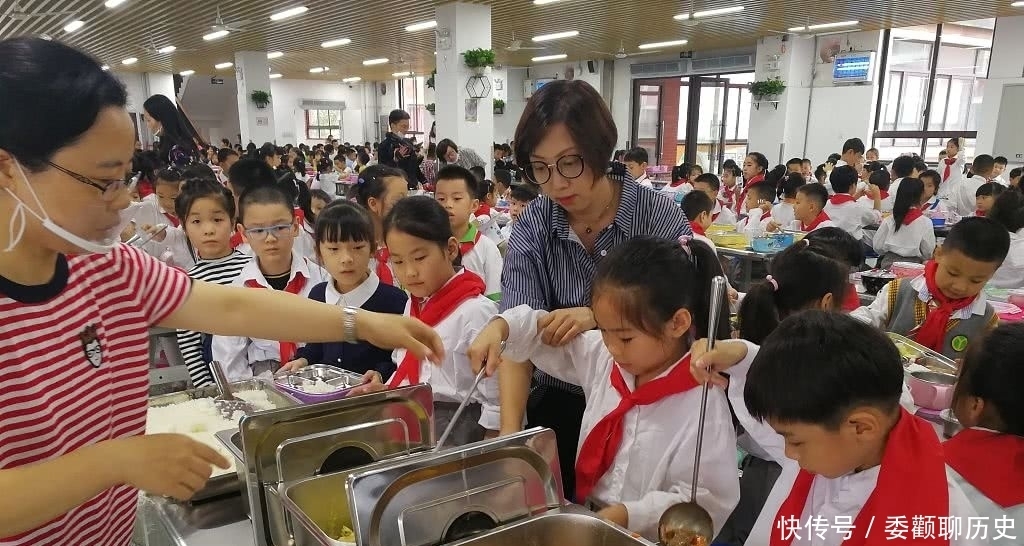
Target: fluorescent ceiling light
x=318, y=69
x=544, y=2
x=275, y=76
x=823, y=26
x=402, y=74
x=1017, y=5
x=291, y=12
x=336, y=43
x=74, y=25
x=105, y=67
x=543, y=58
x=215, y=35
x=130, y=60
x=656, y=45
x=113, y=3
x=222, y=66
x=186, y=72
x=274, y=55
x=421, y=26
x=556, y=36
x=353, y=79
x=715, y=12
x=168, y=49
x=371, y=62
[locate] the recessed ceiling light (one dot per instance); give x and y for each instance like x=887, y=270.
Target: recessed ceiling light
x=1017, y=4
x=222, y=66
x=715, y=12
x=74, y=25
x=130, y=60
x=186, y=72
x=274, y=55
x=113, y=3
x=556, y=36
x=275, y=76
x=656, y=45
x=318, y=69
x=823, y=26
x=291, y=12
x=421, y=26
x=215, y=35
x=105, y=67
x=371, y=62
x=336, y=43
x=353, y=79
x=402, y=74
x=544, y=2
x=543, y=58
x=168, y=49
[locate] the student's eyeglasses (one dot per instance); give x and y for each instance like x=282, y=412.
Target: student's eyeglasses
x=569, y=166
x=261, y=233
x=108, y=189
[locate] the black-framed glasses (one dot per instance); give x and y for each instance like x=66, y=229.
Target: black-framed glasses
x=569, y=166
x=108, y=191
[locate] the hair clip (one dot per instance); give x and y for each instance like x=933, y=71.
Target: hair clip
x=684, y=241
x=771, y=280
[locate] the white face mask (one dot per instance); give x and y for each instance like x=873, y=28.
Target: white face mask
x=16, y=227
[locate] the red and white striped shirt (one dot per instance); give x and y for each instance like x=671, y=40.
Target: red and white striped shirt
x=75, y=373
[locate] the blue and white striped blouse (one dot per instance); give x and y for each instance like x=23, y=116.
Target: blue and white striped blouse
x=546, y=269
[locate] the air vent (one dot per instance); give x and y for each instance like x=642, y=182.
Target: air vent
x=651, y=69
x=309, y=104
x=722, y=64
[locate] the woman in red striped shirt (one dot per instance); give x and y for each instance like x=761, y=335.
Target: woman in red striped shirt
x=77, y=305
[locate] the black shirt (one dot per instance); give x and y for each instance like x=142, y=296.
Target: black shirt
x=399, y=152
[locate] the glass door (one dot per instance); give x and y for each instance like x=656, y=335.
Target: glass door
x=648, y=126
x=711, y=116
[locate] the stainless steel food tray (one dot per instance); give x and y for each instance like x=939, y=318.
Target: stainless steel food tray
x=914, y=352
x=342, y=380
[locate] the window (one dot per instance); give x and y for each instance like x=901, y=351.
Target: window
x=412, y=94
x=322, y=123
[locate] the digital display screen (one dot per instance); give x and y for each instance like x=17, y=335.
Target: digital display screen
x=853, y=66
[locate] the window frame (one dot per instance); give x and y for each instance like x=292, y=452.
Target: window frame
x=330, y=129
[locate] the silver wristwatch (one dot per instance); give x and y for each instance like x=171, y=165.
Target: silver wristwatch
x=350, y=324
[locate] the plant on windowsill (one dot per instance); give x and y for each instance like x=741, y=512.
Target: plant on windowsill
x=430, y=108
x=430, y=80
x=260, y=98
x=499, y=106
x=478, y=59
x=767, y=90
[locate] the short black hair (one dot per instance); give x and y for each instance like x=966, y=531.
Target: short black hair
x=932, y=175
x=845, y=246
x=1000, y=160
x=817, y=366
x=422, y=217
x=989, y=188
x=983, y=165
x=711, y=180
x=843, y=178
x=224, y=153
x=343, y=221
x=872, y=149
x=795, y=161
x=882, y=179
x=787, y=189
x=920, y=166
x=265, y=195
x=637, y=155
x=903, y=165
x=1008, y=210
x=855, y=144
x=816, y=193
x=456, y=172
x=503, y=176
x=523, y=193
x=765, y=191
x=171, y=175
x=695, y=203
x=1016, y=172
x=992, y=371
x=478, y=172
x=250, y=173
x=979, y=239
x=397, y=115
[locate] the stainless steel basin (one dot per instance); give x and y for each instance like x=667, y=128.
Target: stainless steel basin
x=557, y=529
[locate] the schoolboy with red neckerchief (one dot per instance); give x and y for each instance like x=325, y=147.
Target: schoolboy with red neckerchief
x=843, y=209
x=857, y=469
x=456, y=190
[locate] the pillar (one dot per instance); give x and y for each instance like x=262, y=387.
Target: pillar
x=997, y=122
x=252, y=73
x=461, y=27
x=777, y=130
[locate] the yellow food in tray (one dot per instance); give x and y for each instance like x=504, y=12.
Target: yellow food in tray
x=347, y=535
x=729, y=240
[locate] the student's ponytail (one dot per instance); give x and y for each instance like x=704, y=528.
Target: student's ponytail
x=907, y=197
x=706, y=267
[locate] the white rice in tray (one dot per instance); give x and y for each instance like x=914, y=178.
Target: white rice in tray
x=199, y=419
x=317, y=387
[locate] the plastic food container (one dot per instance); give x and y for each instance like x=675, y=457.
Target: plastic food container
x=307, y=384
x=907, y=269
x=771, y=243
x=875, y=280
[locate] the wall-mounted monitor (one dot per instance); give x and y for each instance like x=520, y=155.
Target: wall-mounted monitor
x=853, y=67
x=540, y=82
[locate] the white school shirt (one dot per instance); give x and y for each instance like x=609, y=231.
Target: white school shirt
x=722, y=215
x=783, y=213
x=454, y=377
x=877, y=314
x=305, y=244
x=934, y=206
x=991, y=512
x=851, y=217
x=236, y=353
x=148, y=212
x=645, y=181
x=653, y=467
x=914, y=241
x=1011, y=273
x=485, y=260
x=962, y=194
x=841, y=497
x=671, y=192
x=886, y=202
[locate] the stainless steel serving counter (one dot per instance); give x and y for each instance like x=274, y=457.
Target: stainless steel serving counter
x=218, y=522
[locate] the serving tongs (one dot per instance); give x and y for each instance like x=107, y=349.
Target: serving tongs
x=227, y=404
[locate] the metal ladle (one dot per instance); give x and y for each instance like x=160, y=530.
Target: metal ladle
x=686, y=521
x=465, y=402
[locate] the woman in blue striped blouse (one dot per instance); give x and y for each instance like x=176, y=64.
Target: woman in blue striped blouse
x=563, y=144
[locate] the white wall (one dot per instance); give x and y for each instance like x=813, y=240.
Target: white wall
x=213, y=108
x=290, y=120
x=135, y=85
x=1004, y=69
x=512, y=92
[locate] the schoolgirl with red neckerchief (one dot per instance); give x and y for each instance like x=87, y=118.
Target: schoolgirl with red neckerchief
x=755, y=166
x=639, y=429
x=908, y=235
x=378, y=189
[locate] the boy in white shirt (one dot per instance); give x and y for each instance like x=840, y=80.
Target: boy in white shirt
x=902, y=167
x=963, y=191
x=456, y=190
x=844, y=211
x=931, y=205
x=710, y=186
x=997, y=172
x=519, y=196
x=880, y=180
x=636, y=164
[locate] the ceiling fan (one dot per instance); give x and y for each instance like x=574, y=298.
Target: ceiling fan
x=622, y=54
x=219, y=25
x=152, y=49
x=16, y=13
x=516, y=45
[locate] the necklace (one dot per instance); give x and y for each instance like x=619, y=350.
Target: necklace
x=588, y=229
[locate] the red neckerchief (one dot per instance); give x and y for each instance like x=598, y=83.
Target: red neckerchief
x=383, y=269
x=992, y=462
x=483, y=210
x=467, y=246
x=236, y=239
x=840, y=198
x=602, y=443
x=883, y=194
x=932, y=332
x=746, y=186
x=979, y=213
x=911, y=483
x=463, y=286
x=851, y=300
x=821, y=217
x=300, y=214
x=949, y=161
x=728, y=193
x=696, y=229
x=172, y=219
x=295, y=286
x=913, y=214
x=677, y=183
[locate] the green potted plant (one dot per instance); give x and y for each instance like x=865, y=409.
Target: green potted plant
x=430, y=108
x=260, y=98
x=478, y=59
x=769, y=89
x=430, y=80
x=499, y=106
